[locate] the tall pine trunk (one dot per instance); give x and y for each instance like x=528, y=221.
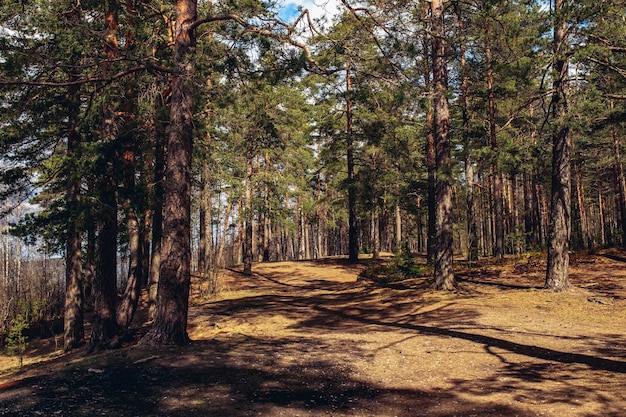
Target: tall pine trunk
x=74, y=331
x=498, y=219
x=444, y=275
x=104, y=322
x=170, y=321
x=557, y=273
x=353, y=243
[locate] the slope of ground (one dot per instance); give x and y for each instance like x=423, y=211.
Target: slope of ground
x=310, y=338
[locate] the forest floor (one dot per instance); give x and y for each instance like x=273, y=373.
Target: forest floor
x=311, y=339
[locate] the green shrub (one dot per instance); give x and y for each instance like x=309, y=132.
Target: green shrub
x=399, y=268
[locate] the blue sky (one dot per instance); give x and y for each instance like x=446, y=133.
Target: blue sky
x=317, y=9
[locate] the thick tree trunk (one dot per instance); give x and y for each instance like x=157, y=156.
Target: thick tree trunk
x=557, y=274
x=170, y=322
x=74, y=331
x=444, y=275
x=104, y=323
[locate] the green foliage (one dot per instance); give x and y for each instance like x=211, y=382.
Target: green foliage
x=16, y=342
x=399, y=268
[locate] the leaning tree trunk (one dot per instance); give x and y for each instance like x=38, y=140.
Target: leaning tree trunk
x=557, y=274
x=170, y=321
x=444, y=274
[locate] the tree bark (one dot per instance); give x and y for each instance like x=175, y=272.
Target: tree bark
x=621, y=181
x=431, y=227
x=128, y=306
x=498, y=247
x=557, y=274
x=582, y=210
x=104, y=323
x=74, y=331
x=444, y=274
x=248, y=253
x=157, y=215
x=170, y=322
x=353, y=243
x=472, y=227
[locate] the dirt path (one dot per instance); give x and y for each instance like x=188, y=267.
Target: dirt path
x=309, y=339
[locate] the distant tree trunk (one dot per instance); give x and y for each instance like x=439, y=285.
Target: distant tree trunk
x=220, y=251
x=170, y=322
x=444, y=275
x=580, y=194
x=74, y=331
x=353, y=243
x=248, y=253
x=89, y=270
x=306, y=237
x=375, y=231
x=398, y=228
x=538, y=226
x=205, y=251
x=515, y=215
x=557, y=274
x=472, y=227
x=601, y=214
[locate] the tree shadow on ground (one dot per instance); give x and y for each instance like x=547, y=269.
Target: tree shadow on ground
x=302, y=373
x=244, y=378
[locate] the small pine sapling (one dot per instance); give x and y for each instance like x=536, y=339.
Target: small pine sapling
x=16, y=341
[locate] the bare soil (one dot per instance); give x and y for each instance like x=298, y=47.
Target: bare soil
x=312, y=339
